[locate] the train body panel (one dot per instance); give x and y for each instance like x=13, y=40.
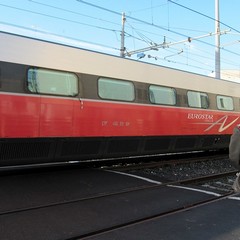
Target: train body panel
x=60, y=103
x=62, y=117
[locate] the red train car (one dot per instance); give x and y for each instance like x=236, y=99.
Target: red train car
x=61, y=103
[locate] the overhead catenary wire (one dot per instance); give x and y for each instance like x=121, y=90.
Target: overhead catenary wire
x=114, y=12
x=204, y=15
x=61, y=37
x=153, y=25
x=132, y=18
x=70, y=11
x=59, y=18
x=138, y=36
x=165, y=44
x=74, y=12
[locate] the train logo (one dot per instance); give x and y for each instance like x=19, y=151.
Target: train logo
x=208, y=119
x=223, y=124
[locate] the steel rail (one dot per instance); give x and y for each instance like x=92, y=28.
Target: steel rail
x=154, y=217
x=123, y=191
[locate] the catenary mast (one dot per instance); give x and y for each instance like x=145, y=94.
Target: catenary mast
x=122, y=50
x=217, y=41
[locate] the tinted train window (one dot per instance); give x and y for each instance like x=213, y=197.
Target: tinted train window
x=162, y=95
x=116, y=89
x=52, y=82
x=197, y=99
x=224, y=103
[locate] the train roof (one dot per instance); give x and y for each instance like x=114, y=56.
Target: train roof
x=34, y=52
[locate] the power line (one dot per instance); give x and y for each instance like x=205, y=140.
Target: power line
x=157, y=26
x=149, y=8
x=165, y=44
x=94, y=26
x=73, y=12
x=61, y=39
x=181, y=63
x=141, y=37
x=129, y=17
x=151, y=24
x=58, y=18
x=204, y=15
x=80, y=14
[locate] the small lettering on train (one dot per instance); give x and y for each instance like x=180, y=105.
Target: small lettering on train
x=115, y=123
x=200, y=116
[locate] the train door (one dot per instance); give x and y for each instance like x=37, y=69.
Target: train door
x=57, y=89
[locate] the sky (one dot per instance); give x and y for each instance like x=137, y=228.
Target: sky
x=97, y=25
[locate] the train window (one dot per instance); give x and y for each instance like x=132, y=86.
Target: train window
x=52, y=82
x=197, y=99
x=162, y=95
x=116, y=89
x=224, y=103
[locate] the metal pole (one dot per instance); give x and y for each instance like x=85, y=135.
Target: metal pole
x=217, y=41
x=122, y=50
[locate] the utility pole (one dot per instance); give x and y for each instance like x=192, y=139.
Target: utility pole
x=217, y=41
x=122, y=49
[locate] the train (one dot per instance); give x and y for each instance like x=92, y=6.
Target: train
x=60, y=103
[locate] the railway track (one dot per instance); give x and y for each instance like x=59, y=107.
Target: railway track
x=212, y=173
x=159, y=161
x=118, y=208
x=220, y=182
x=155, y=217
x=215, y=197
